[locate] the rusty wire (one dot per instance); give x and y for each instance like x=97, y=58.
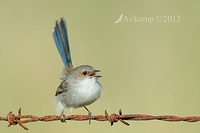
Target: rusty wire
x=14, y=120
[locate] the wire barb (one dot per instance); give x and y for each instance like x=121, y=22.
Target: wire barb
x=14, y=120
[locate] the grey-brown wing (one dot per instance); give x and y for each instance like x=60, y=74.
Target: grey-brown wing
x=61, y=88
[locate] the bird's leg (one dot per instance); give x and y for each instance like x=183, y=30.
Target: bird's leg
x=89, y=117
x=62, y=117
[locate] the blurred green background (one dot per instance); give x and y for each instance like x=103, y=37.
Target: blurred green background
x=147, y=68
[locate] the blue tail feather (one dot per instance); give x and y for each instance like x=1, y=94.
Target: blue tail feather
x=55, y=35
x=62, y=43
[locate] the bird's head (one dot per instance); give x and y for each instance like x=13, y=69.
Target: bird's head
x=85, y=71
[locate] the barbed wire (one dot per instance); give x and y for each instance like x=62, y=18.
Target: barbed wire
x=14, y=120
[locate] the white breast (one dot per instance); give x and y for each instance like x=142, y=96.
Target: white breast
x=89, y=89
x=87, y=92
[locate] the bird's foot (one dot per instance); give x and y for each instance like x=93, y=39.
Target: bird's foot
x=89, y=117
x=62, y=117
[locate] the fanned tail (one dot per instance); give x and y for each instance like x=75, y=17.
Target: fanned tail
x=62, y=43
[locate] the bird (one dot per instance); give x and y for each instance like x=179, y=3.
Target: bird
x=79, y=86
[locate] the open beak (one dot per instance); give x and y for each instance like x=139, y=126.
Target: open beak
x=93, y=74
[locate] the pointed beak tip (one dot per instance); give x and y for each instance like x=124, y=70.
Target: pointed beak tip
x=97, y=76
x=94, y=74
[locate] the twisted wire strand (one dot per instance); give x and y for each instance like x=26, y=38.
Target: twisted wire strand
x=14, y=120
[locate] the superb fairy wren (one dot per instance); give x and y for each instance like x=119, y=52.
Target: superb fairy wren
x=79, y=86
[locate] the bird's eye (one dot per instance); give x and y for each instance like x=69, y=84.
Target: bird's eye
x=84, y=73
